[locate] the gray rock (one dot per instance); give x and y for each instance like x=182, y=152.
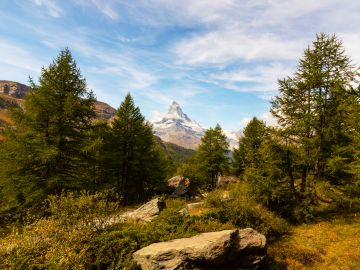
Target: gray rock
x=147, y=212
x=229, y=249
x=179, y=186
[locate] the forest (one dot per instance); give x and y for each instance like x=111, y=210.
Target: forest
x=62, y=169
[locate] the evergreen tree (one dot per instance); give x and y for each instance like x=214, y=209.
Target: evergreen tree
x=247, y=154
x=271, y=178
x=136, y=162
x=43, y=153
x=213, y=153
x=308, y=105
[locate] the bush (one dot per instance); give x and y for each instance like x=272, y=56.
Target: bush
x=59, y=241
x=238, y=207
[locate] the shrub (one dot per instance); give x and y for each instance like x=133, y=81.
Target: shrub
x=240, y=209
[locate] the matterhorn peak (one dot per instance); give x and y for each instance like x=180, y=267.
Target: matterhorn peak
x=176, y=127
x=176, y=112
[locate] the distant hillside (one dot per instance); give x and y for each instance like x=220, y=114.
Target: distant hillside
x=13, y=93
x=177, y=153
x=13, y=89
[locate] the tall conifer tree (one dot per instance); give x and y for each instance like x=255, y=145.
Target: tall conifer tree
x=42, y=153
x=308, y=105
x=136, y=163
x=213, y=153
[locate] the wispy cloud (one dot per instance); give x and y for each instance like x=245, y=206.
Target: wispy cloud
x=263, y=78
x=226, y=47
x=52, y=6
x=105, y=7
x=13, y=54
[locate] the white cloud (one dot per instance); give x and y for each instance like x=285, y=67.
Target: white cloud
x=264, y=76
x=351, y=43
x=52, y=6
x=269, y=119
x=225, y=47
x=245, y=121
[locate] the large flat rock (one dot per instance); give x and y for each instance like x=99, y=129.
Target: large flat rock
x=229, y=249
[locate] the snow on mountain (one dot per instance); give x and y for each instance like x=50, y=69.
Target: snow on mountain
x=176, y=127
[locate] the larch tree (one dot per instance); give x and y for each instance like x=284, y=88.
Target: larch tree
x=135, y=161
x=213, y=153
x=247, y=154
x=43, y=151
x=308, y=104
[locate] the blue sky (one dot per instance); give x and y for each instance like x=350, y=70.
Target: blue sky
x=219, y=59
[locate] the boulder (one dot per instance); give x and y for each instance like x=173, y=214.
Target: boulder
x=147, y=212
x=179, y=186
x=229, y=249
x=225, y=180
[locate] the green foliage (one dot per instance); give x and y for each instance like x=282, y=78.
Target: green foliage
x=316, y=141
x=312, y=110
x=239, y=207
x=72, y=208
x=136, y=163
x=177, y=153
x=247, y=154
x=43, y=154
x=196, y=173
x=212, y=154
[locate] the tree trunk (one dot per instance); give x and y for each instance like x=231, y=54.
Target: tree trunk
x=289, y=169
x=303, y=178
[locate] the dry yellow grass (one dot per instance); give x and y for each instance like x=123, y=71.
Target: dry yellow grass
x=330, y=245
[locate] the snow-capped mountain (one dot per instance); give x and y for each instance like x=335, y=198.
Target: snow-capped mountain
x=176, y=127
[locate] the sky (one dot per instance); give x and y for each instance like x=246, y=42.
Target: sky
x=219, y=59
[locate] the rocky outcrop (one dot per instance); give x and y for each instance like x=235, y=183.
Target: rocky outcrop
x=104, y=110
x=13, y=89
x=229, y=249
x=179, y=186
x=17, y=92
